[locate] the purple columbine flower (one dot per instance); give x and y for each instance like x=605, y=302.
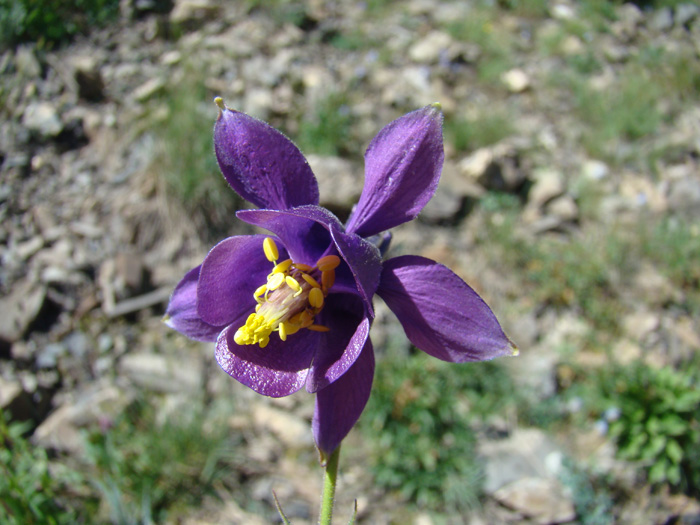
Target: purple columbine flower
x=294, y=309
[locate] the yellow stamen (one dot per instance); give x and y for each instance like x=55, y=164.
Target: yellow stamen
x=275, y=281
x=270, y=249
x=329, y=262
x=282, y=267
x=327, y=279
x=288, y=309
x=293, y=284
x=313, y=282
x=316, y=297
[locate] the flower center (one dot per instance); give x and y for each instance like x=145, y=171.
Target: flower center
x=290, y=300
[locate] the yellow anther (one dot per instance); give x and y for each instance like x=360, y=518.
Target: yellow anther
x=327, y=279
x=263, y=342
x=260, y=291
x=283, y=266
x=318, y=328
x=329, y=262
x=293, y=283
x=313, y=282
x=220, y=102
x=316, y=297
x=283, y=331
x=275, y=281
x=303, y=267
x=291, y=328
x=270, y=249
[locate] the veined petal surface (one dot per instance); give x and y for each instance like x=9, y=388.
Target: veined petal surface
x=230, y=274
x=402, y=169
x=440, y=313
x=182, y=315
x=261, y=164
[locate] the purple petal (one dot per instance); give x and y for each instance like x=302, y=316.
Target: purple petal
x=339, y=405
x=230, y=273
x=278, y=370
x=402, y=168
x=261, y=164
x=182, y=315
x=440, y=313
x=338, y=348
x=304, y=231
x=363, y=262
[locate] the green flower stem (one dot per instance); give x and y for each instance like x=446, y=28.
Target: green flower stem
x=329, y=482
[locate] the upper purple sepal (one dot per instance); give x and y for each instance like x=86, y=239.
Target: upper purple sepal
x=402, y=169
x=260, y=163
x=440, y=313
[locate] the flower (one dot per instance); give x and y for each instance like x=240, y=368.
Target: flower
x=294, y=309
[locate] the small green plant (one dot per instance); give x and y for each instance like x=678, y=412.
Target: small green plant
x=421, y=410
x=28, y=492
x=659, y=421
x=592, y=495
x=147, y=470
x=49, y=22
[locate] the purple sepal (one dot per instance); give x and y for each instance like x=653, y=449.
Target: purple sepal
x=278, y=370
x=339, y=405
x=340, y=347
x=230, y=274
x=402, y=169
x=261, y=164
x=440, y=313
x=182, y=315
x=304, y=231
x=363, y=262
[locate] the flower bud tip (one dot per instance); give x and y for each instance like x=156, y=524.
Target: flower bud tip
x=220, y=102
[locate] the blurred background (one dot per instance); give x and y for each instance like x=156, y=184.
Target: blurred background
x=569, y=199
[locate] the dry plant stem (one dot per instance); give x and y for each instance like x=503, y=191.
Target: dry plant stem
x=329, y=482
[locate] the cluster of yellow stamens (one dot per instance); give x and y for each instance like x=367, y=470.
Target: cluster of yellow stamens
x=290, y=300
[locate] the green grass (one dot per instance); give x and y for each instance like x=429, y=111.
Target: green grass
x=50, y=22
x=29, y=492
x=185, y=160
x=149, y=468
x=482, y=27
x=418, y=422
x=471, y=134
x=326, y=128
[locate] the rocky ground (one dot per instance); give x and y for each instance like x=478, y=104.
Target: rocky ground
x=93, y=242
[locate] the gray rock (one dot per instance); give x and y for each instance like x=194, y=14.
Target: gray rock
x=563, y=208
x=88, y=77
x=428, y=49
x=42, y=119
x=686, y=13
x=289, y=428
x=14, y=400
x=191, y=14
x=163, y=373
x=549, y=183
x=62, y=429
x=19, y=309
x=684, y=196
x=48, y=355
x=444, y=207
x=496, y=168
x=339, y=181
x=526, y=453
x=543, y=500
x=516, y=80
x=661, y=19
